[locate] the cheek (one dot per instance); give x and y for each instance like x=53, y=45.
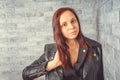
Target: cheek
x=64, y=31
x=77, y=26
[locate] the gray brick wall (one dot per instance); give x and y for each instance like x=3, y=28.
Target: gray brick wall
x=109, y=31
x=25, y=27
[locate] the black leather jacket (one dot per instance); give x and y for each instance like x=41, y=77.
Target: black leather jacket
x=90, y=70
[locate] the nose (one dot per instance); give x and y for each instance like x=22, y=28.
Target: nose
x=71, y=26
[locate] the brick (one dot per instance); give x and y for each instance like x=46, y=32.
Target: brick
x=88, y=28
x=2, y=49
x=116, y=4
x=2, y=33
x=2, y=4
x=48, y=14
x=102, y=28
x=101, y=20
x=2, y=20
x=108, y=61
x=115, y=30
x=102, y=37
x=71, y=2
x=89, y=3
x=18, y=3
x=16, y=20
x=44, y=7
x=108, y=6
x=10, y=13
x=117, y=74
x=112, y=17
x=111, y=40
x=33, y=13
x=117, y=63
x=79, y=11
x=2, y=14
x=20, y=13
x=116, y=57
x=101, y=14
x=91, y=36
x=108, y=28
x=14, y=3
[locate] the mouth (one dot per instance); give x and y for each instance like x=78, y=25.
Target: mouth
x=73, y=32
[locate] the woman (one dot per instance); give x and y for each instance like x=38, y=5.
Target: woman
x=72, y=56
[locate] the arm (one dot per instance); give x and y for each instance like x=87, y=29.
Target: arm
x=41, y=66
x=54, y=63
x=36, y=69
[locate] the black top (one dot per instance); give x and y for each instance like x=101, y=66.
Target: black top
x=71, y=73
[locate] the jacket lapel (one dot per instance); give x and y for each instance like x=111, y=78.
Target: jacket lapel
x=87, y=65
x=83, y=66
x=81, y=58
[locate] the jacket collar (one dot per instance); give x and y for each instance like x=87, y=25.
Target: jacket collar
x=81, y=57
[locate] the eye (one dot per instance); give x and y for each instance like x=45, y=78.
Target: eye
x=73, y=20
x=64, y=24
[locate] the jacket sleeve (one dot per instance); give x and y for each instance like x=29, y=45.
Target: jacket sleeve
x=36, y=69
x=100, y=70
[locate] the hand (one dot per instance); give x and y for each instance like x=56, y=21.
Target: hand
x=56, y=60
x=54, y=63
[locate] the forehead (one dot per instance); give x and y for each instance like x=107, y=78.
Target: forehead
x=66, y=16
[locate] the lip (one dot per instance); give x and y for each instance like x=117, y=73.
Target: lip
x=73, y=32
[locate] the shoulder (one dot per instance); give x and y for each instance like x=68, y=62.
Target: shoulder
x=50, y=50
x=92, y=42
x=50, y=46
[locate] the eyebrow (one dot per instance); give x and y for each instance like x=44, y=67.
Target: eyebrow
x=70, y=20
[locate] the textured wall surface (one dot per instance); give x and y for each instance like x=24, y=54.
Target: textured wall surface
x=25, y=27
x=109, y=31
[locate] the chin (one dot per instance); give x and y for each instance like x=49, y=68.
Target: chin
x=71, y=38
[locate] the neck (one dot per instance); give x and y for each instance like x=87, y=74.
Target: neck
x=72, y=43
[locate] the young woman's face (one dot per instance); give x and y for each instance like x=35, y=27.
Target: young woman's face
x=69, y=25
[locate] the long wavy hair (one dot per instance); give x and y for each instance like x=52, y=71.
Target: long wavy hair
x=60, y=40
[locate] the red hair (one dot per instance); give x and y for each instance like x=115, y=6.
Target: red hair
x=60, y=40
